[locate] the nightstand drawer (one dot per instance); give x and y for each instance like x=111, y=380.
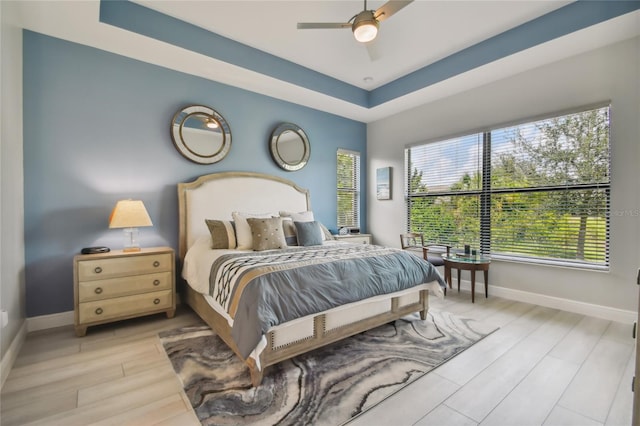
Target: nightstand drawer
x=99, y=269
x=359, y=239
x=121, y=307
x=116, y=287
x=355, y=238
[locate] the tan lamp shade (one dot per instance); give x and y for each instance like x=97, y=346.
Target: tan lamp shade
x=129, y=214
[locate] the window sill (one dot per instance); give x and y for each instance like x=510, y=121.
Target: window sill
x=550, y=262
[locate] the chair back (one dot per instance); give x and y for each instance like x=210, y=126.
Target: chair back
x=411, y=240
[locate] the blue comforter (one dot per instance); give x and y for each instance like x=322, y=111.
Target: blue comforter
x=263, y=289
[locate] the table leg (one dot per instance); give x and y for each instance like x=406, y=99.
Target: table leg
x=473, y=285
x=486, y=283
x=445, y=280
x=459, y=280
x=447, y=275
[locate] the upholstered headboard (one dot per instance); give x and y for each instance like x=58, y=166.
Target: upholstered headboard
x=217, y=195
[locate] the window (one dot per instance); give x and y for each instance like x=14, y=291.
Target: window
x=348, y=188
x=537, y=191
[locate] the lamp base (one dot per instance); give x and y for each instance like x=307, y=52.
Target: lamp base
x=131, y=240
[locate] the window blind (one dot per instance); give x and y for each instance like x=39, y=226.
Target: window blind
x=550, y=183
x=348, y=188
x=444, y=186
x=539, y=190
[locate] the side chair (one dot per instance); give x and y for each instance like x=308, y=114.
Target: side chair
x=414, y=241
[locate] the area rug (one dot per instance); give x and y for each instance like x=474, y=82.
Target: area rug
x=328, y=386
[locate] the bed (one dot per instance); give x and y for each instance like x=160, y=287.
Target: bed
x=219, y=197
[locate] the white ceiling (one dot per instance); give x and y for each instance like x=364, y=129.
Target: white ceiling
x=420, y=34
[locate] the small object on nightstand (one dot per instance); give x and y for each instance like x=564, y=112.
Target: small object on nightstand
x=94, y=250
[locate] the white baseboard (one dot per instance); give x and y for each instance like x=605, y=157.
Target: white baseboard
x=44, y=322
x=10, y=356
x=590, y=309
x=599, y=311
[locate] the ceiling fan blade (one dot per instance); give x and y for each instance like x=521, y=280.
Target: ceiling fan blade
x=374, y=51
x=389, y=8
x=319, y=25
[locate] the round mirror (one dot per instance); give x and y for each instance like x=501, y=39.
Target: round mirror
x=201, y=134
x=289, y=147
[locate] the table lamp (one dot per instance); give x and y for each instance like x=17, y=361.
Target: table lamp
x=130, y=214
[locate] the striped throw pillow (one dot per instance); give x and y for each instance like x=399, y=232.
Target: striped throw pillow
x=223, y=234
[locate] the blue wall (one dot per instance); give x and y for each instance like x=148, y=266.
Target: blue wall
x=96, y=130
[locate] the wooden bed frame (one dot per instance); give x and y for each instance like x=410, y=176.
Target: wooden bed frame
x=216, y=196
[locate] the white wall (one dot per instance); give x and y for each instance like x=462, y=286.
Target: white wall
x=611, y=73
x=11, y=184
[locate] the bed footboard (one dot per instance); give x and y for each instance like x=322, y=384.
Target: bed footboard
x=287, y=341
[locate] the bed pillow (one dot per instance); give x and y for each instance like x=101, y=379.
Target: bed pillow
x=289, y=231
x=309, y=233
x=299, y=217
x=243, y=231
x=307, y=216
x=223, y=234
x=326, y=234
x=267, y=233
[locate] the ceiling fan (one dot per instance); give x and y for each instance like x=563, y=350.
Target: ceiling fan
x=365, y=24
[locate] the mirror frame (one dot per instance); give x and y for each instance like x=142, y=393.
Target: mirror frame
x=273, y=147
x=182, y=145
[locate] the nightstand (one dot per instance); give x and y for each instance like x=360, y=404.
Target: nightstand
x=114, y=286
x=355, y=238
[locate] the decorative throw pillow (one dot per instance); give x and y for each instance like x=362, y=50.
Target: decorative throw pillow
x=309, y=233
x=307, y=216
x=243, y=231
x=223, y=234
x=267, y=233
x=289, y=231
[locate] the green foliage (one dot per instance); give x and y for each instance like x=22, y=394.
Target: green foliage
x=416, y=186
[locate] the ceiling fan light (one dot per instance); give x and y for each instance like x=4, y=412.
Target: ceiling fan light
x=365, y=27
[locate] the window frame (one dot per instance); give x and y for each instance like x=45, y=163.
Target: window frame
x=486, y=192
x=353, y=190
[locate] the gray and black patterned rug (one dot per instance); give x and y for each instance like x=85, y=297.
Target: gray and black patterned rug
x=328, y=386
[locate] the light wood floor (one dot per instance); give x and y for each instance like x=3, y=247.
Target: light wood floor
x=542, y=367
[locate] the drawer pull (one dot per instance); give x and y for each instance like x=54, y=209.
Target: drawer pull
x=99, y=311
x=156, y=282
x=98, y=290
x=156, y=301
x=156, y=263
x=97, y=270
